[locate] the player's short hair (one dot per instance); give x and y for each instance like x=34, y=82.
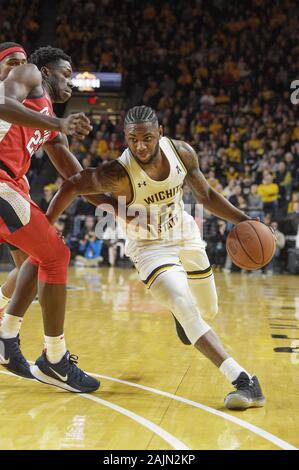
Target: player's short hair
x=7, y=45
x=48, y=55
x=140, y=114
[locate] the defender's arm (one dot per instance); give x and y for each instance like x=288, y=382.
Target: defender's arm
x=67, y=165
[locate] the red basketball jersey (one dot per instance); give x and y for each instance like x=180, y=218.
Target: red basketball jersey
x=19, y=143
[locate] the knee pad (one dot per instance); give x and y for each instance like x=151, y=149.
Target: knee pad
x=205, y=294
x=210, y=310
x=171, y=289
x=213, y=310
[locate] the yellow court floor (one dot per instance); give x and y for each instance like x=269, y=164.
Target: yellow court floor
x=157, y=393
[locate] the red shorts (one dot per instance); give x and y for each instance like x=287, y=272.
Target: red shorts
x=24, y=225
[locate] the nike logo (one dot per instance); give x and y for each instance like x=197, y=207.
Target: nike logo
x=3, y=361
x=61, y=377
x=2, y=354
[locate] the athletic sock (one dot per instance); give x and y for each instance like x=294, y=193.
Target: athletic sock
x=231, y=369
x=10, y=326
x=55, y=348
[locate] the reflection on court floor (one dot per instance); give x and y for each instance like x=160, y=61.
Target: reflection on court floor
x=157, y=393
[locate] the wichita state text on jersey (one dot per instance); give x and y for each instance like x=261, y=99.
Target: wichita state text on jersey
x=161, y=201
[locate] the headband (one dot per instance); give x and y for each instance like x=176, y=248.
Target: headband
x=10, y=50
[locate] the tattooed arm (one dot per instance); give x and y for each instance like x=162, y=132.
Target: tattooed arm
x=68, y=165
x=110, y=177
x=203, y=192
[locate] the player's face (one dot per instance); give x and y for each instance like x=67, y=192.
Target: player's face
x=10, y=62
x=143, y=140
x=60, y=80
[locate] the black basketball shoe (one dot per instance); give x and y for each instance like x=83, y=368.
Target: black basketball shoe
x=248, y=394
x=64, y=374
x=12, y=359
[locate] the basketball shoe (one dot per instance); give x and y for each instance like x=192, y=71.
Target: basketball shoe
x=12, y=358
x=181, y=332
x=248, y=394
x=64, y=374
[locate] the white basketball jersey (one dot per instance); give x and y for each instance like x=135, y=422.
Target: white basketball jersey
x=158, y=204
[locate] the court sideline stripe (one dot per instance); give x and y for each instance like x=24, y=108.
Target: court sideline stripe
x=164, y=435
x=244, y=424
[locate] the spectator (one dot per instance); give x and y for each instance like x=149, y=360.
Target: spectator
x=273, y=266
x=269, y=193
x=114, y=239
x=255, y=203
x=237, y=192
x=217, y=247
x=90, y=249
x=49, y=192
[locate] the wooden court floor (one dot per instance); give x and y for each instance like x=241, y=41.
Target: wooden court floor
x=157, y=393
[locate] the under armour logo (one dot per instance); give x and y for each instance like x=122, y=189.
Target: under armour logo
x=140, y=184
x=178, y=169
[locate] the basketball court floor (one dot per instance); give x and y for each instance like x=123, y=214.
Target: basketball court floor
x=155, y=392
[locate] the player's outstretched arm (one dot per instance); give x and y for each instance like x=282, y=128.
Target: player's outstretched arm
x=203, y=192
x=67, y=165
x=15, y=89
x=110, y=177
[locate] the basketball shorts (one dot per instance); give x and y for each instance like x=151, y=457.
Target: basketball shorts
x=25, y=226
x=155, y=257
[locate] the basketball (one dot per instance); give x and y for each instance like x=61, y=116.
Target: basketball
x=251, y=244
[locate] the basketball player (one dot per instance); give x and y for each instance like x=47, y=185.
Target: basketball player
x=57, y=149
x=169, y=255
x=11, y=56
x=23, y=224
x=8, y=62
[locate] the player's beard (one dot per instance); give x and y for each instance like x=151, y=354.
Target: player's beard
x=152, y=156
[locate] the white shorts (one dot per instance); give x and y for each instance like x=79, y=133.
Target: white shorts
x=155, y=257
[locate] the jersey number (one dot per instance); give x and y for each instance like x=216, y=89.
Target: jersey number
x=166, y=214
x=38, y=137
x=34, y=142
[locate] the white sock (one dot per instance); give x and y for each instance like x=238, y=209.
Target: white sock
x=10, y=326
x=55, y=348
x=3, y=300
x=231, y=369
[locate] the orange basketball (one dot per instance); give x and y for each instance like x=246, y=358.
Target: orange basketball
x=251, y=244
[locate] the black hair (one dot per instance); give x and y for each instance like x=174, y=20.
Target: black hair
x=140, y=114
x=47, y=55
x=7, y=45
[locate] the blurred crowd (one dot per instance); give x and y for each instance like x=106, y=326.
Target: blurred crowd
x=20, y=22
x=219, y=75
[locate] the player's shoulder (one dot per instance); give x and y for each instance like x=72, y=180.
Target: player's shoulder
x=26, y=73
x=186, y=153
x=183, y=147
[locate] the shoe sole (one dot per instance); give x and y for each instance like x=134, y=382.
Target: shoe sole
x=238, y=402
x=41, y=377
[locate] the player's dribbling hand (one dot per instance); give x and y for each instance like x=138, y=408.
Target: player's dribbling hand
x=77, y=125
